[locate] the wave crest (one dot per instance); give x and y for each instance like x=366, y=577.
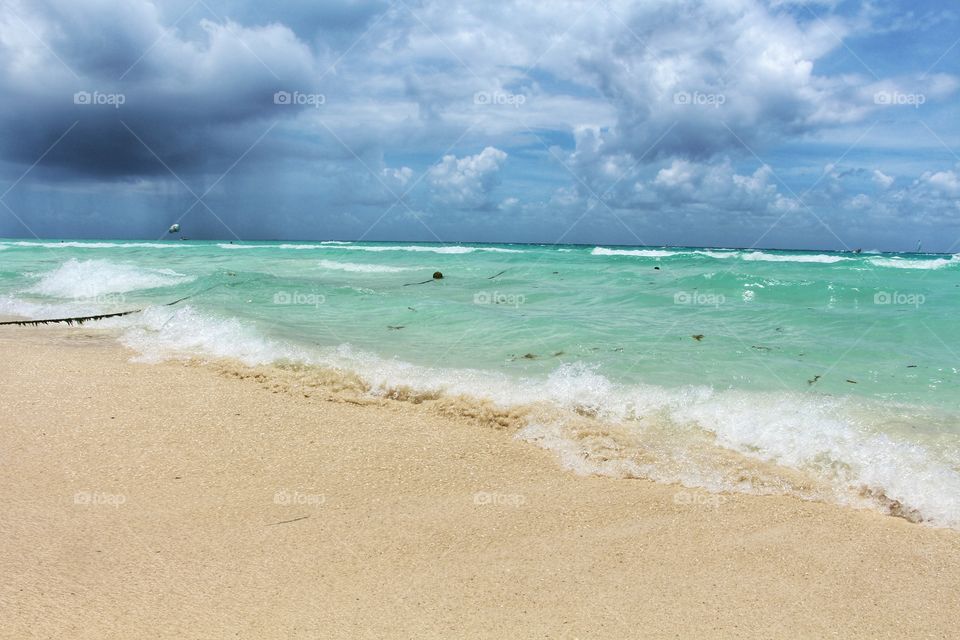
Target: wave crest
x=355, y=267
x=92, y=278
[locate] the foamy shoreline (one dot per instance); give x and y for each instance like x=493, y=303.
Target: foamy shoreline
x=210, y=501
x=809, y=447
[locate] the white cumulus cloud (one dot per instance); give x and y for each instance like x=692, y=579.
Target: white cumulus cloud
x=466, y=183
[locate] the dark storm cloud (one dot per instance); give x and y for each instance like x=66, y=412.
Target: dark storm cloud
x=118, y=75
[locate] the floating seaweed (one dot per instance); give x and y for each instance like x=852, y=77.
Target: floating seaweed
x=436, y=276
x=79, y=320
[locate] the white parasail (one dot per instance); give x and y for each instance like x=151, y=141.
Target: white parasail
x=173, y=228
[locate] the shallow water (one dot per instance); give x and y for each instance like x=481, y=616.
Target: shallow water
x=826, y=375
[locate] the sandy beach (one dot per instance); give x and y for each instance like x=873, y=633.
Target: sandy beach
x=197, y=500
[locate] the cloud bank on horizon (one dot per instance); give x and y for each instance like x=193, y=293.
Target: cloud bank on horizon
x=776, y=123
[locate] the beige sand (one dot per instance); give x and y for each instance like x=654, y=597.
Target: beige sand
x=174, y=501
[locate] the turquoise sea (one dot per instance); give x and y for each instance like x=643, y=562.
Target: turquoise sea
x=831, y=376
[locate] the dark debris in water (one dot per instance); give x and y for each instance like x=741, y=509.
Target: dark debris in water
x=813, y=379
x=893, y=507
x=395, y=327
x=698, y=337
x=526, y=356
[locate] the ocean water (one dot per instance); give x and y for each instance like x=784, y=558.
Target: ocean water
x=829, y=376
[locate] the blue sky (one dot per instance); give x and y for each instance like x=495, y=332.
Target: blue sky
x=774, y=123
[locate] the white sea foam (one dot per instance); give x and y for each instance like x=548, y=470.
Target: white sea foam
x=452, y=249
x=416, y=249
x=771, y=257
x=286, y=245
x=13, y=306
x=762, y=256
x=225, y=245
x=640, y=253
x=822, y=436
x=355, y=267
x=903, y=263
x=95, y=278
x=754, y=256
x=163, y=332
x=331, y=244
x=719, y=255
x=662, y=253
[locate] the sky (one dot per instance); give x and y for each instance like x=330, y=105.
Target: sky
x=735, y=123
